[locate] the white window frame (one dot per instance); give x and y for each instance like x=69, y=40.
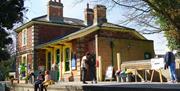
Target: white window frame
x=64, y=54
x=22, y=61
x=24, y=37
x=25, y=61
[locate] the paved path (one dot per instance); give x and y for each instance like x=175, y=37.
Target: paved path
x=116, y=86
x=108, y=86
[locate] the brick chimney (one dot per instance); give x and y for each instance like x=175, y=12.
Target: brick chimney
x=88, y=15
x=55, y=11
x=99, y=14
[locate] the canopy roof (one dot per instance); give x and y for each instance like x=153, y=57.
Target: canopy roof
x=85, y=31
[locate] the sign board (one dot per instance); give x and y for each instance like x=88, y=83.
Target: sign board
x=157, y=63
x=109, y=73
x=73, y=64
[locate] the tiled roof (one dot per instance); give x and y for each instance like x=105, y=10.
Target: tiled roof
x=114, y=26
x=66, y=20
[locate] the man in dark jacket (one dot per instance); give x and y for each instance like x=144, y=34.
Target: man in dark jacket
x=38, y=82
x=92, y=67
x=169, y=60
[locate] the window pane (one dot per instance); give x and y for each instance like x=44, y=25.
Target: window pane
x=49, y=60
x=67, y=57
x=57, y=56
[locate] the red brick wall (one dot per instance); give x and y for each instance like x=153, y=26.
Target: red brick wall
x=46, y=32
x=117, y=34
x=54, y=11
x=99, y=13
x=29, y=59
x=29, y=40
x=86, y=46
x=40, y=57
x=130, y=50
x=18, y=58
x=42, y=34
x=19, y=41
x=105, y=53
x=88, y=16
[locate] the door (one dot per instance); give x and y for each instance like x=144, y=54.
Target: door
x=58, y=60
x=67, y=57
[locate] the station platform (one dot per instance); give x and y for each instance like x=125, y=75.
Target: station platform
x=104, y=86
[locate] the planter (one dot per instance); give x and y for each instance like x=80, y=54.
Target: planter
x=23, y=81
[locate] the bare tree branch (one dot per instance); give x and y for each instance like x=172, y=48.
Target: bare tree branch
x=165, y=14
x=118, y=3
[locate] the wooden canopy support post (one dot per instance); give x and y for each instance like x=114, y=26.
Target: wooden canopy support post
x=97, y=57
x=119, y=61
x=118, y=65
x=100, y=68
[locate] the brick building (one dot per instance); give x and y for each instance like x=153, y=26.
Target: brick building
x=56, y=41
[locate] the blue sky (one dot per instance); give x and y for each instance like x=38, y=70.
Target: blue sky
x=39, y=7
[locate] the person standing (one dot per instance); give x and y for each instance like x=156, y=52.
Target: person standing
x=31, y=77
x=84, y=67
x=169, y=59
x=92, y=67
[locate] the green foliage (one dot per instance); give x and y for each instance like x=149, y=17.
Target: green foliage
x=173, y=39
x=11, y=12
x=168, y=18
x=5, y=68
x=4, y=41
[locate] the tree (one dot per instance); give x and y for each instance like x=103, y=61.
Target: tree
x=4, y=41
x=11, y=12
x=153, y=16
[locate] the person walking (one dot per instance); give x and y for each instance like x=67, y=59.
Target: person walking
x=84, y=67
x=169, y=59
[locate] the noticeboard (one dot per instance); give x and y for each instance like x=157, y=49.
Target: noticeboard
x=109, y=73
x=157, y=63
x=73, y=65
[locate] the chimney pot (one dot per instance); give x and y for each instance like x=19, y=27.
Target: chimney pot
x=89, y=15
x=55, y=11
x=100, y=14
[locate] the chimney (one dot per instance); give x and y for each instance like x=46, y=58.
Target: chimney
x=99, y=14
x=55, y=11
x=88, y=15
